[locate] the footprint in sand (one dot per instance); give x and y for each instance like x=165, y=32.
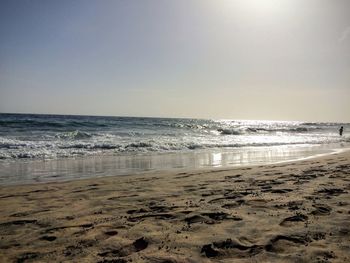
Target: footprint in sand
x=294, y=219
x=210, y=218
x=331, y=191
x=229, y=249
x=137, y=245
x=111, y=232
x=321, y=210
x=286, y=244
x=27, y=256
x=48, y=238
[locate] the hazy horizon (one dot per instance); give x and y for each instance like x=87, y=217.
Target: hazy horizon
x=165, y=117
x=244, y=60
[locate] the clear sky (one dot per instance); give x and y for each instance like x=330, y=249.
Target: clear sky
x=232, y=59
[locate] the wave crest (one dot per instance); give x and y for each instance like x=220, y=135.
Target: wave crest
x=74, y=135
x=229, y=132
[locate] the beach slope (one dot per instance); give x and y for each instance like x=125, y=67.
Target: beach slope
x=287, y=212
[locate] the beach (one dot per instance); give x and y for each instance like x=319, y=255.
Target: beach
x=175, y=131
x=296, y=211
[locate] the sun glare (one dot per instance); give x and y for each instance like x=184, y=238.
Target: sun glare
x=264, y=7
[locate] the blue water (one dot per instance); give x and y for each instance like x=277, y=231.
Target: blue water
x=28, y=136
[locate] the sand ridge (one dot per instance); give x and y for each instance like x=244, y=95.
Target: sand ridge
x=288, y=212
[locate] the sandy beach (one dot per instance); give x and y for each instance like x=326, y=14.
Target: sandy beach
x=287, y=212
x=191, y=131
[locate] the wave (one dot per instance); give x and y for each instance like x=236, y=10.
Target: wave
x=238, y=128
x=15, y=149
x=261, y=130
x=90, y=146
x=76, y=135
x=11, y=144
x=32, y=136
x=322, y=124
x=294, y=129
x=139, y=145
x=138, y=125
x=86, y=124
x=30, y=123
x=229, y=132
x=27, y=123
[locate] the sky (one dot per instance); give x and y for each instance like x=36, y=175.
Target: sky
x=221, y=59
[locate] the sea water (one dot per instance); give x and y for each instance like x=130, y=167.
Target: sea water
x=52, y=147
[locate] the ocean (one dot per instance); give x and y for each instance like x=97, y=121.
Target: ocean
x=30, y=140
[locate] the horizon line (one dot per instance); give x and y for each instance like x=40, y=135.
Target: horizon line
x=158, y=117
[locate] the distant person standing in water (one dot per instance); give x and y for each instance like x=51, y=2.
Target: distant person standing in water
x=341, y=131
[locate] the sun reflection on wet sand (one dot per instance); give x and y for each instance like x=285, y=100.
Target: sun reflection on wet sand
x=118, y=165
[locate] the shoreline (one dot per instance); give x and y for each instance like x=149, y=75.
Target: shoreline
x=287, y=212
x=174, y=171
x=28, y=172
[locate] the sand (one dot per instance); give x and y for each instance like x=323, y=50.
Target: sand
x=288, y=212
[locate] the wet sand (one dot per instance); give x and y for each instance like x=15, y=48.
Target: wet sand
x=288, y=212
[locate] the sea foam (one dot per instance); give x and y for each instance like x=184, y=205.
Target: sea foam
x=53, y=136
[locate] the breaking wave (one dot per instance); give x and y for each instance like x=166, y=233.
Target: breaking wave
x=74, y=135
x=52, y=136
